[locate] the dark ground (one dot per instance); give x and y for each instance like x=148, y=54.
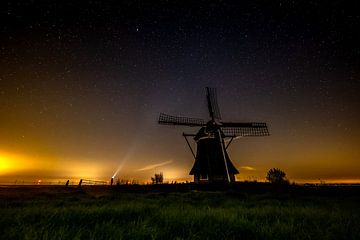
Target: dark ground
x=183, y=211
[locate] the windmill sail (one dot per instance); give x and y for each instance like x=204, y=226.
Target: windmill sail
x=212, y=103
x=252, y=129
x=172, y=120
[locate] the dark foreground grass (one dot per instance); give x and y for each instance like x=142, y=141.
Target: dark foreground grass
x=191, y=215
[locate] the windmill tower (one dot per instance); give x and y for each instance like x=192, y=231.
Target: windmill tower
x=212, y=162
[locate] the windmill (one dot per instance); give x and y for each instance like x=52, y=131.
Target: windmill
x=212, y=162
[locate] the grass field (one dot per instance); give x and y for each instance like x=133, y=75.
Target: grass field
x=58, y=213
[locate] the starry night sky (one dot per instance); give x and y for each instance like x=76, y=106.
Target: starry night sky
x=82, y=85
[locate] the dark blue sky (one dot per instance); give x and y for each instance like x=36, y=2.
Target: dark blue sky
x=82, y=83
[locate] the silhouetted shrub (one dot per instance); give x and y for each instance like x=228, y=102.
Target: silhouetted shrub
x=277, y=176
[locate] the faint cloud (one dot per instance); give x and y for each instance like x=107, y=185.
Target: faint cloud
x=153, y=166
x=248, y=168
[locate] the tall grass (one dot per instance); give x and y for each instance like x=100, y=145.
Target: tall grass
x=192, y=215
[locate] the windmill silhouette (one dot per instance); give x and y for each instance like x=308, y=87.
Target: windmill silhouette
x=212, y=162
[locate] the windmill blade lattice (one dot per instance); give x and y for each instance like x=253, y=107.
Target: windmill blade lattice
x=254, y=129
x=166, y=119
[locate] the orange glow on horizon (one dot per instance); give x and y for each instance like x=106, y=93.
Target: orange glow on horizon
x=15, y=166
x=20, y=166
x=10, y=162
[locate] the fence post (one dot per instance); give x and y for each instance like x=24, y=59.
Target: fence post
x=80, y=182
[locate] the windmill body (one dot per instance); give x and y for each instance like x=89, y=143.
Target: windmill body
x=212, y=163
x=210, y=157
